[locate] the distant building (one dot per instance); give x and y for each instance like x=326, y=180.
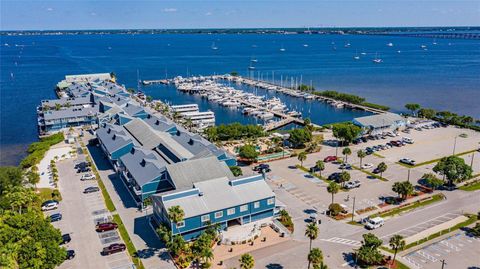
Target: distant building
x=379, y=123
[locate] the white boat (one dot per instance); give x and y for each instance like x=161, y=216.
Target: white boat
x=347, y=45
x=248, y=110
x=251, y=67
x=356, y=57
x=390, y=44
x=398, y=51
x=376, y=59
x=363, y=53
x=214, y=47
x=253, y=60
x=305, y=45
x=282, y=48
x=266, y=115
x=423, y=46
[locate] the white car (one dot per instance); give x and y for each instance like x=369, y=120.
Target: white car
x=352, y=184
x=367, y=165
x=407, y=161
x=87, y=177
x=408, y=140
x=374, y=223
x=49, y=205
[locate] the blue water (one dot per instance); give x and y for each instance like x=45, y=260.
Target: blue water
x=443, y=77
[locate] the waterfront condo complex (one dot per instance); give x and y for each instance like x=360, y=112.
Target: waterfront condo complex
x=156, y=158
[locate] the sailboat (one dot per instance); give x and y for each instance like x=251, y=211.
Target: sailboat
x=282, y=48
x=305, y=45
x=390, y=44
x=347, y=45
x=376, y=59
x=251, y=67
x=214, y=47
x=356, y=57
x=423, y=46
x=363, y=53
x=253, y=60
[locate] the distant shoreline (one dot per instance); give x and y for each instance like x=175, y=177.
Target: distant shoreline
x=304, y=30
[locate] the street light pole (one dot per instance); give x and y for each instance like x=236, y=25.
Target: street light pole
x=443, y=264
x=454, y=145
x=408, y=177
x=471, y=162
x=353, y=209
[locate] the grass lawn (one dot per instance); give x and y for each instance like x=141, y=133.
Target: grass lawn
x=46, y=194
x=398, y=210
x=108, y=201
x=128, y=242
x=472, y=187
x=378, y=155
x=369, y=173
x=312, y=174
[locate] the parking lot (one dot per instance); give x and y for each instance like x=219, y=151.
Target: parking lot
x=80, y=213
x=458, y=251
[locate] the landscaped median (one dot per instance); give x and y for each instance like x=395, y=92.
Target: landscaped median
x=410, y=206
x=471, y=186
x=468, y=219
x=435, y=160
x=128, y=242
x=369, y=173
x=312, y=174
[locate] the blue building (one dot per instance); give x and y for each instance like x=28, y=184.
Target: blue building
x=216, y=200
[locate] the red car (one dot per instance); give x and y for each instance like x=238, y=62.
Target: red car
x=108, y=226
x=113, y=248
x=330, y=159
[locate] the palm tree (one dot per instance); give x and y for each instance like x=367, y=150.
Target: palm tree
x=246, y=261
x=361, y=154
x=302, y=156
x=320, y=166
x=382, y=167
x=346, y=151
x=344, y=177
x=207, y=255
x=176, y=214
x=396, y=243
x=315, y=257
x=311, y=232
x=321, y=266
x=333, y=188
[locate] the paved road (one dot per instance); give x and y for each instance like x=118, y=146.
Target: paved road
x=80, y=213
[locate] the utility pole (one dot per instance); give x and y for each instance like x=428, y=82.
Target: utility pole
x=443, y=263
x=408, y=177
x=353, y=208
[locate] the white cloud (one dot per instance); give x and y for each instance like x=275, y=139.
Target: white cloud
x=50, y=9
x=169, y=10
x=93, y=14
x=208, y=13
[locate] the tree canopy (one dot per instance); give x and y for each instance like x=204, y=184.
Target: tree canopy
x=233, y=131
x=299, y=137
x=248, y=152
x=454, y=168
x=412, y=107
x=403, y=188
x=346, y=132
x=368, y=253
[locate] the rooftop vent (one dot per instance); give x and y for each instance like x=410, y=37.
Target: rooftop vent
x=114, y=136
x=200, y=193
x=178, y=133
x=132, y=151
x=149, y=116
x=143, y=162
x=157, y=122
x=190, y=142
x=109, y=130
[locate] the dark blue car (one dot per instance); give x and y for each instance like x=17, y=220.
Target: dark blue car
x=55, y=217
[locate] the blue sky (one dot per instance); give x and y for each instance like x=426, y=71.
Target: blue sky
x=80, y=14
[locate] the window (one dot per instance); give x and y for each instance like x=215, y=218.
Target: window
x=218, y=214
x=243, y=208
x=205, y=218
x=180, y=224
x=231, y=211
x=270, y=201
x=256, y=204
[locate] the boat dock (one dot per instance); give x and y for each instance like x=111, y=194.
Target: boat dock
x=296, y=93
x=157, y=81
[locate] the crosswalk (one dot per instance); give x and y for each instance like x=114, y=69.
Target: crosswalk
x=343, y=241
